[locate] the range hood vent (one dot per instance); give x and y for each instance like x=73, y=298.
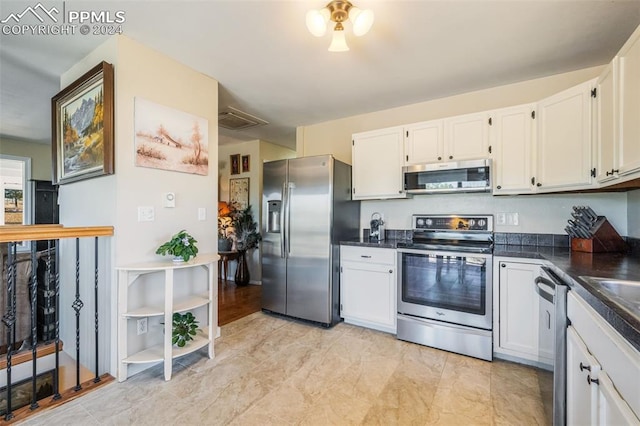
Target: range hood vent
x=234, y=119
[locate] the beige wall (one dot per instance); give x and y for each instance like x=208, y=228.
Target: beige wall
x=334, y=137
x=633, y=213
x=39, y=153
x=114, y=200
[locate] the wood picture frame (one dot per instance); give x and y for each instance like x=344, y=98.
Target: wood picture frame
x=245, y=163
x=239, y=193
x=82, y=127
x=234, y=164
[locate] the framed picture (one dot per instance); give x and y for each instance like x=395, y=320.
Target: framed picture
x=234, y=160
x=239, y=192
x=170, y=139
x=22, y=391
x=245, y=163
x=82, y=127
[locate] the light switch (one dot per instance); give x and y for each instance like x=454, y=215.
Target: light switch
x=169, y=199
x=146, y=214
x=202, y=213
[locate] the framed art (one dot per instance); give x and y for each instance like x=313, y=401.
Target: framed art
x=245, y=163
x=234, y=160
x=82, y=127
x=239, y=192
x=170, y=139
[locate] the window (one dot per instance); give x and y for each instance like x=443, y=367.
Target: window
x=15, y=173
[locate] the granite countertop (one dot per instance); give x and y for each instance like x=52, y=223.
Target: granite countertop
x=569, y=265
x=391, y=243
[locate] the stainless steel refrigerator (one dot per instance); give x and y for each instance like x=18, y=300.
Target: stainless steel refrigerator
x=307, y=210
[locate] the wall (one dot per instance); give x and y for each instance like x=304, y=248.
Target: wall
x=259, y=152
x=114, y=200
x=334, y=137
x=39, y=153
x=633, y=213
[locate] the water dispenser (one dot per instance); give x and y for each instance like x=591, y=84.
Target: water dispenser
x=273, y=223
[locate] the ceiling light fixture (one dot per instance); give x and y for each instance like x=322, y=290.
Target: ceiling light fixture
x=339, y=11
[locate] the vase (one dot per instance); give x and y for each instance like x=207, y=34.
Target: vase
x=178, y=259
x=224, y=244
x=242, y=271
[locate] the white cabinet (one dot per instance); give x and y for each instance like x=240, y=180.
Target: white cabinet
x=517, y=320
x=424, y=142
x=155, y=291
x=377, y=159
x=605, y=128
x=603, y=370
x=511, y=141
x=564, y=140
x=466, y=137
x=629, y=104
x=368, y=287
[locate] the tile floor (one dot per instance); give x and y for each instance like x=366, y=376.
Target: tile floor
x=270, y=370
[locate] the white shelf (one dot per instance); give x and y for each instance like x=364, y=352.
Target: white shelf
x=156, y=353
x=184, y=305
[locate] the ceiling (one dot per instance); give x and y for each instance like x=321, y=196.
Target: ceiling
x=270, y=66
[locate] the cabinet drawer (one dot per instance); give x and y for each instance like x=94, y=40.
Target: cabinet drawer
x=616, y=356
x=368, y=254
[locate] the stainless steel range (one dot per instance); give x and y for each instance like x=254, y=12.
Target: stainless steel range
x=445, y=284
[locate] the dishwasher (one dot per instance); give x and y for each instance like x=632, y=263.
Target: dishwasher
x=552, y=291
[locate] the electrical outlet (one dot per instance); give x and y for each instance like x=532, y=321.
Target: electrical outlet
x=141, y=326
x=513, y=219
x=501, y=218
x=146, y=214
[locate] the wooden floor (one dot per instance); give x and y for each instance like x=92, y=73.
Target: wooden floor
x=235, y=302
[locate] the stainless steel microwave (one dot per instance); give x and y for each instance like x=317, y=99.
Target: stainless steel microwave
x=454, y=176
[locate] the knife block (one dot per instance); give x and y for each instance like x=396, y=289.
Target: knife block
x=605, y=239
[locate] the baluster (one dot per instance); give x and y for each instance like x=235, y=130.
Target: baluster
x=97, y=378
x=9, y=319
x=56, y=268
x=77, y=306
x=33, y=288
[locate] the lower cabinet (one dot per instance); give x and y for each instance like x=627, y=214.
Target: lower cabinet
x=523, y=322
x=368, y=287
x=603, y=371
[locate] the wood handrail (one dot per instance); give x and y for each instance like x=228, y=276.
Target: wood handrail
x=14, y=233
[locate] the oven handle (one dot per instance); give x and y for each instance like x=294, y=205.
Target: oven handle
x=542, y=284
x=445, y=253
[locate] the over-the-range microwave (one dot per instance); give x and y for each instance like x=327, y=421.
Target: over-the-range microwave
x=453, y=176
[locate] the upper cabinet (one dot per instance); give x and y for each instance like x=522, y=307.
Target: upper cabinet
x=512, y=131
x=629, y=104
x=424, y=142
x=377, y=159
x=604, y=129
x=564, y=140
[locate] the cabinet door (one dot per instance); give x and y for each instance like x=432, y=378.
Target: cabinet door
x=629, y=57
x=605, y=123
x=368, y=294
x=511, y=142
x=467, y=137
x=612, y=409
x=377, y=164
x=424, y=142
x=564, y=139
x=582, y=395
x=519, y=309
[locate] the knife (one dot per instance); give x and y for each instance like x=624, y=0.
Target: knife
x=591, y=213
x=570, y=232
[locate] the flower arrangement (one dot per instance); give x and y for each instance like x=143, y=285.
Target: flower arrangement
x=180, y=245
x=225, y=219
x=185, y=326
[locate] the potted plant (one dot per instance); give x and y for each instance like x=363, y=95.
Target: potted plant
x=247, y=237
x=185, y=326
x=181, y=246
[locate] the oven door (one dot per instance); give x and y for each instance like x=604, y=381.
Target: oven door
x=449, y=286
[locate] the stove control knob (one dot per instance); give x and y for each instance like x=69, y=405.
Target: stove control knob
x=471, y=222
x=482, y=223
x=420, y=222
x=428, y=222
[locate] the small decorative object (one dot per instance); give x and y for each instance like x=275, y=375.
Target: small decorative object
x=239, y=192
x=245, y=163
x=235, y=164
x=82, y=127
x=247, y=238
x=225, y=219
x=185, y=326
x=182, y=246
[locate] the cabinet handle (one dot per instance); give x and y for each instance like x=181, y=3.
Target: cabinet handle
x=585, y=367
x=366, y=257
x=590, y=380
x=538, y=184
x=498, y=187
x=614, y=171
x=451, y=157
x=439, y=158
x=609, y=173
x=503, y=265
x=391, y=271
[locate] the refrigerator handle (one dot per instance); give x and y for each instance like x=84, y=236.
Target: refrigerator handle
x=283, y=220
x=290, y=187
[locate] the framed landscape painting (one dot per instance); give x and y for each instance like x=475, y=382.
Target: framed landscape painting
x=82, y=127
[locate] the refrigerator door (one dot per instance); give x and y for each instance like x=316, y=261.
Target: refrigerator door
x=274, y=262
x=308, y=245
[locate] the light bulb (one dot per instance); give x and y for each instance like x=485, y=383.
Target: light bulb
x=362, y=20
x=317, y=21
x=338, y=42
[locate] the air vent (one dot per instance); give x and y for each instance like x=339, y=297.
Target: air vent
x=234, y=119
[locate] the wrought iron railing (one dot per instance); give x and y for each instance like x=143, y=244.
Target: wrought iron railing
x=17, y=240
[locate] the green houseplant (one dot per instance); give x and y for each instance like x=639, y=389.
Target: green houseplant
x=182, y=246
x=185, y=326
x=247, y=237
